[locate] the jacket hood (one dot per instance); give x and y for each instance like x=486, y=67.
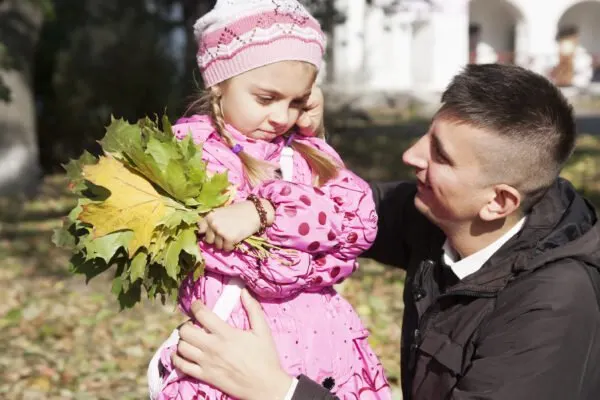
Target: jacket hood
x=561, y=225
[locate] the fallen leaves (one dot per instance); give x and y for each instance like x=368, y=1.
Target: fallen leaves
x=63, y=339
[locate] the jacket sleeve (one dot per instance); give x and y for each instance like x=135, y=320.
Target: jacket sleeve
x=311, y=390
x=338, y=218
x=399, y=222
x=284, y=273
x=543, y=344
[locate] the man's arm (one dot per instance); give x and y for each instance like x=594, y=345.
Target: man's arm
x=542, y=342
x=399, y=220
x=308, y=389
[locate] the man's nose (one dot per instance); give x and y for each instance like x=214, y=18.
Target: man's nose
x=416, y=155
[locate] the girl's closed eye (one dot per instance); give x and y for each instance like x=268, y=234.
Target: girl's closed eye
x=264, y=99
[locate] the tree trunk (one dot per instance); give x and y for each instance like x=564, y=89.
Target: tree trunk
x=20, y=24
x=192, y=10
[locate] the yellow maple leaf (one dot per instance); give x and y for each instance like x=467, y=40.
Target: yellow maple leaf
x=133, y=204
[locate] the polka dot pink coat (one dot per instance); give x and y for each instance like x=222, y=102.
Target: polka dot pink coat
x=316, y=331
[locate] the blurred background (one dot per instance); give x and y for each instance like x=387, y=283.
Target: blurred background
x=66, y=66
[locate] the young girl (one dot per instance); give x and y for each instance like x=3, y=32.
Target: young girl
x=259, y=60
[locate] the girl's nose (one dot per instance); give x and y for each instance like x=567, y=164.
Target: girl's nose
x=279, y=117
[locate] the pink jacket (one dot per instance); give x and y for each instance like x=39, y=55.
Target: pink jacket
x=326, y=229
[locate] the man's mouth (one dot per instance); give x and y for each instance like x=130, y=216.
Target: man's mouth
x=422, y=185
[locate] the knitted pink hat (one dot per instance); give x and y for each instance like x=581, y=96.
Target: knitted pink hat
x=239, y=35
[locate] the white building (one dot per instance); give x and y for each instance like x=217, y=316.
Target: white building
x=417, y=46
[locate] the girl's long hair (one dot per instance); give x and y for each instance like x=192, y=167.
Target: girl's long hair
x=322, y=166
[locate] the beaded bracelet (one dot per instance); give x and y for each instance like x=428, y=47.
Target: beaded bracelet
x=262, y=214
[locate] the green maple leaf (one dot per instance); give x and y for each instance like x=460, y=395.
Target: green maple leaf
x=176, y=216
x=213, y=192
x=123, y=138
x=117, y=285
x=61, y=237
x=189, y=243
x=105, y=247
x=138, y=266
x=74, y=170
x=167, y=128
x=177, y=184
x=138, y=209
x=161, y=154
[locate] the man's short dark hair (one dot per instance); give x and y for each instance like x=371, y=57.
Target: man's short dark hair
x=522, y=107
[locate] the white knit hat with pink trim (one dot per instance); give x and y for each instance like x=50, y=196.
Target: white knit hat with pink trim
x=239, y=35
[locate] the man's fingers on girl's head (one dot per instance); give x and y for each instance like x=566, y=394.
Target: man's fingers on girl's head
x=188, y=368
x=256, y=315
x=303, y=121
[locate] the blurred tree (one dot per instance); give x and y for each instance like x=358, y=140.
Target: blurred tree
x=20, y=23
x=329, y=16
x=188, y=11
x=98, y=59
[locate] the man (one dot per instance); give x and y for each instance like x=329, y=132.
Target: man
x=502, y=293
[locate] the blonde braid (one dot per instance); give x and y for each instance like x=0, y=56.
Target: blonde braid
x=323, y=167
x=256, y=170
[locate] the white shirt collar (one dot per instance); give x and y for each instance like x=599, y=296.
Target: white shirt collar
x=468, y=265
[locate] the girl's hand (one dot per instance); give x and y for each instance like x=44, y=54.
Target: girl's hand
x=227, y=226
x=310, y=121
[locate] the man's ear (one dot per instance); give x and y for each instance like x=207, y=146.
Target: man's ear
x=505, y=201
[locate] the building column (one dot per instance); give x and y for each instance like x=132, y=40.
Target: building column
x=450, y=45
x=388, y=51
x=348, y=43
x=542, y=41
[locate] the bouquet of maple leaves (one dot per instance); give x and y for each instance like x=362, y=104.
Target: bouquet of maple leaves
x=138, y=206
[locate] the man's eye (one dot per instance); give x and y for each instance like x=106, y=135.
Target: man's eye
x=439, y=157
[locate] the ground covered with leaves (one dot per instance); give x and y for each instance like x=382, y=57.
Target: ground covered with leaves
x=63, y=339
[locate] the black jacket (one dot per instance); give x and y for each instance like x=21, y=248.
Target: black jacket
x=525, y=326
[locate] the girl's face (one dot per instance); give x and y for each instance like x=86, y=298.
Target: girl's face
x=265, y=102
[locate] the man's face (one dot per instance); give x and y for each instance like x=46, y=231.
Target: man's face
x=452, y=185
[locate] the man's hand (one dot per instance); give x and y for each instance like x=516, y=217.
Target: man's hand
x=310, y=121
x=227, y=226
x=243, y=364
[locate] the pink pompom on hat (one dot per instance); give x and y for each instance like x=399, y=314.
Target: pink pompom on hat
x=239, y=35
